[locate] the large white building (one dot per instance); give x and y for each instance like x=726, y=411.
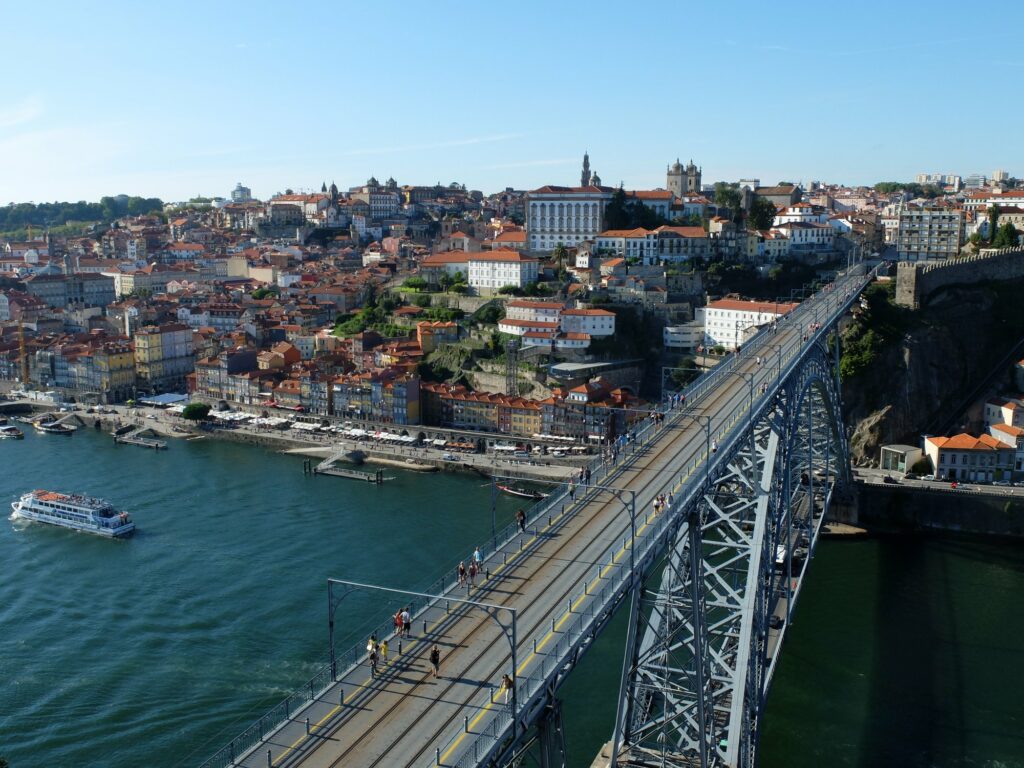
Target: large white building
x=541, y=323
x=491, y=270
x=728, y=321
x=566, y=215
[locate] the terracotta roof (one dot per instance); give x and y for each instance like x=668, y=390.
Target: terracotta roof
x=744, y=305
x=501, y=254
x=523, y=304
x=966, y=442
x=445, y=257
x=589, y=312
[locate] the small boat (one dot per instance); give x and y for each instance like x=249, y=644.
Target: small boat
x=53, y=428
x=522, y=493
x=11, y=432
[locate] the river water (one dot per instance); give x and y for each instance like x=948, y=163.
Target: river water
x=153, y=651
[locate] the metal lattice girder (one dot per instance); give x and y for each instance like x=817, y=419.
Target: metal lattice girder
x=698, y=661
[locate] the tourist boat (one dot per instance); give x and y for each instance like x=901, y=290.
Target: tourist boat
x=11, y=432
x=522, y=493
x=53, y=428
x=79, y=513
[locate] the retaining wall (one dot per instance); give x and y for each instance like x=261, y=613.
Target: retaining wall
x=916, y=280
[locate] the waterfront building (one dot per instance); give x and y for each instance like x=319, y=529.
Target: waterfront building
x=966, y=457
x=164, y=356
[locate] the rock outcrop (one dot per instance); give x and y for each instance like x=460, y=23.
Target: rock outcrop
x=920, y=380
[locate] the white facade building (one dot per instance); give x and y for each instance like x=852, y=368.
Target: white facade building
x=491, y=270
x=727, y=321
x=566, y=215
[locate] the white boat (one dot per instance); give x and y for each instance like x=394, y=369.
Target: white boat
x=79, y=513
x=12, y=432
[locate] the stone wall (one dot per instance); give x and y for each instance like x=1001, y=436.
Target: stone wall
x=891, y=508
x=916, y=280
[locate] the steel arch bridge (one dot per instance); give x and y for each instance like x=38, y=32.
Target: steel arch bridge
x=751, y=463
x=703, y=642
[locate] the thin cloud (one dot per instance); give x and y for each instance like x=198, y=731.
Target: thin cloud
x=18, y=114
x=436, y=145
x=531, y=164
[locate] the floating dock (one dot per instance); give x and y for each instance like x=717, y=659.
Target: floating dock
x=143, y=438
x=328, y=468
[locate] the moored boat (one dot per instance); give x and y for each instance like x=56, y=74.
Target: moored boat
x=74, y=511
x=11, y=432
x=53, y=428
x=523, y=493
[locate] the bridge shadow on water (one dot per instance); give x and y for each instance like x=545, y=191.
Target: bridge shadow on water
x=915, y=704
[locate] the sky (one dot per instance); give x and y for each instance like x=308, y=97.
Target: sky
x=185, y=99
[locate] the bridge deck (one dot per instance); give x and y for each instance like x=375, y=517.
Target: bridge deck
x=556, y=574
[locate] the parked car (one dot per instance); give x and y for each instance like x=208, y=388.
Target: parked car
x=911, y=476
x=776, y=622
x=927, y=477
x=449, y=457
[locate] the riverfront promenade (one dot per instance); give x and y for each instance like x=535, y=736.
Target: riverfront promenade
x=556, y=576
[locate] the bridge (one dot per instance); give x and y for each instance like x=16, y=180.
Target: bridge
x=749, y=462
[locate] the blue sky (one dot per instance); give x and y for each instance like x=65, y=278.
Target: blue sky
x=174, y=100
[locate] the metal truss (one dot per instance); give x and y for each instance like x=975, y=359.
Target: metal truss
x=702, y=644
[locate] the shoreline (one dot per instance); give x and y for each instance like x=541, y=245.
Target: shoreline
x=423, y=460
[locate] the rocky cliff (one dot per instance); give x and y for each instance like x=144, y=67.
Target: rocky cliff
x=912, y=371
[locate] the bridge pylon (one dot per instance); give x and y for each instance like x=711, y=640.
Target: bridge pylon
x=704, y=637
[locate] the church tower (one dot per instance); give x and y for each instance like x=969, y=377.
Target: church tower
x=585, y=176
x=674, y=179
x=693, y=174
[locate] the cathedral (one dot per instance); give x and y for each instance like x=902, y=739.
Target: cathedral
x=683, y=181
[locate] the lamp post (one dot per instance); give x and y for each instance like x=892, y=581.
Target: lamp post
x=492, y=610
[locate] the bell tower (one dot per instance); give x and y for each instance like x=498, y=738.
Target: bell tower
x=585, y=176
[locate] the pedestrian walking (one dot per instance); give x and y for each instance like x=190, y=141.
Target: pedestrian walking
x=398, y=623
x=435, y=660
x=657, y=506
x=371, y=644
x=521, y=521
x=670, y=498
x=406, y=623
x=462, y=573
x=506, y=686
x=588, y=475
x=373, y=662
x=472, y=573
x=714, y=446
x=383, y=647
x=478, y=558
x=572, y=490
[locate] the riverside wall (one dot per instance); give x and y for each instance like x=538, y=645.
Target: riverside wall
x=891, y=508
x=916, y=280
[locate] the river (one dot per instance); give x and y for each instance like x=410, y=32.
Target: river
x=152, y=651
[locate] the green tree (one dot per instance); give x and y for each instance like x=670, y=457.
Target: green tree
x=1006, y=237
x=762, y=213
x=460, y=288
x=728, y=196
x=422, y=301
x=993, y=221
x=196, y=411
x=415, y=283
x=559, y=255
x=509, y=290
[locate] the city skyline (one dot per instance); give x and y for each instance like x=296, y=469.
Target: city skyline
x=492, y=99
